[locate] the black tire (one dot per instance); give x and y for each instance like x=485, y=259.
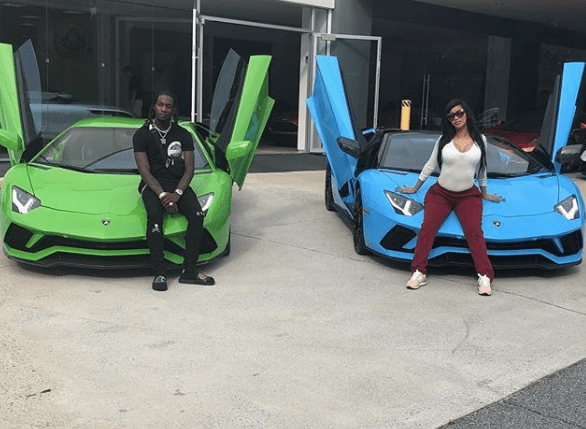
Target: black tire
x=358, y=226
x=328, y=195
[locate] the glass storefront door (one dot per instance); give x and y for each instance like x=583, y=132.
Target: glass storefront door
x=96, y=57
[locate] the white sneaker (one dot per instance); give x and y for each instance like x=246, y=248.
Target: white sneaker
x=416, y=280
x=484, y=285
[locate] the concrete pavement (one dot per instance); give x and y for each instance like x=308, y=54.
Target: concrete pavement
x=299, y=332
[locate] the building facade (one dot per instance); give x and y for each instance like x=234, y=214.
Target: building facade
x=106, y=52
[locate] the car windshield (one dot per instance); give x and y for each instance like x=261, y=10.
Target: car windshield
x=104, y=150
x=410, y=152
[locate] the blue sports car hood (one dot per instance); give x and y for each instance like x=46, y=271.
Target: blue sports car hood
x=524, y=196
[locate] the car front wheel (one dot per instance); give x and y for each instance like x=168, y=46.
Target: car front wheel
x=358, y=230
x=328, y=195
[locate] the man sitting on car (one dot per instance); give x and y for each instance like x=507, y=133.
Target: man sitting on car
x=164, y=154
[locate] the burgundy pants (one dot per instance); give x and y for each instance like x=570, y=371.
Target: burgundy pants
x=439, y=202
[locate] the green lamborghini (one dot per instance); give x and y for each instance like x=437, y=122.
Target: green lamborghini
x=75, y=200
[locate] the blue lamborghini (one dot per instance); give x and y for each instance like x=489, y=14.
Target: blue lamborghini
x=540, y=223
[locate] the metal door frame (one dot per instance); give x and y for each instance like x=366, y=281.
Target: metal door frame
x=311, y=136
x=197, y=26
x=197, y=50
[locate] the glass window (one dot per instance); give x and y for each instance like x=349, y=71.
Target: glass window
x=429, y=66
x=101, y=57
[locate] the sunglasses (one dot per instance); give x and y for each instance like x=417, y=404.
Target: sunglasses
x=456, y=115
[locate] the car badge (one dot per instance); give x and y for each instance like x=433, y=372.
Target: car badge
x=496, y=223
x=106, y=222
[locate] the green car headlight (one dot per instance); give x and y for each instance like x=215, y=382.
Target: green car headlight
x=569, y=208
x=22, y=201
x=403, y=205
x=205, y=201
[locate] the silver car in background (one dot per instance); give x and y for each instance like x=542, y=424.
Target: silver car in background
x=58, y=112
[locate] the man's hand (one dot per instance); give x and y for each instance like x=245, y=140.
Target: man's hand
x=169, y=201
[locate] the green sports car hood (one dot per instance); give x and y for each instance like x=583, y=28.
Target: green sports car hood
x=114, y=194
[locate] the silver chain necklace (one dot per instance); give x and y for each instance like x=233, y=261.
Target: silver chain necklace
x=162, y=133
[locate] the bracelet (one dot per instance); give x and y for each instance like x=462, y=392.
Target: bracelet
x=162, y=194
x=179, y=192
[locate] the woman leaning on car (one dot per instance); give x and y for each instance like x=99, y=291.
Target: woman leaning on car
x=460, y=153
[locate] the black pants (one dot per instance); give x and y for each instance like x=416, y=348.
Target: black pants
x=189, y=207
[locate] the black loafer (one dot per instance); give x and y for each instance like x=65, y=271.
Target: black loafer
x=197, y=279
x=160, y=283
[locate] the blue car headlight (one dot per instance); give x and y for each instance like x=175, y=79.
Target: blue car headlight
x=205, y=201
x=403, y=205
x=23, y=202
x=569, y=208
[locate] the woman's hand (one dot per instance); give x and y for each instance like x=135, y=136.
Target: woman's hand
x=407, y=189
x=494, y=198
x=410, y=189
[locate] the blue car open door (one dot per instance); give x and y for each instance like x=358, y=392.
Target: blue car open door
x=330, y=112
x=560, y=112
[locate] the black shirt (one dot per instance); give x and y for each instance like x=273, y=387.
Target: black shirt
x=177, y=141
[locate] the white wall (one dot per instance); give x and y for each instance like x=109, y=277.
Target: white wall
x=324, y=4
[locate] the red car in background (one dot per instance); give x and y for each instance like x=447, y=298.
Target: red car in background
x=284, y=121
x=522, y=131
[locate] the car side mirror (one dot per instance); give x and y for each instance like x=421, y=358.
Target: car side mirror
x=10, y=140
x=569, y=156
x=236, y=150
x=349, y=146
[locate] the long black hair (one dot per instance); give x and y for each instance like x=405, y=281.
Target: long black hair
x=449, y=131
x=151, y=116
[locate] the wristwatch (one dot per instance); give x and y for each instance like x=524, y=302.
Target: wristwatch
x=179, y=192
